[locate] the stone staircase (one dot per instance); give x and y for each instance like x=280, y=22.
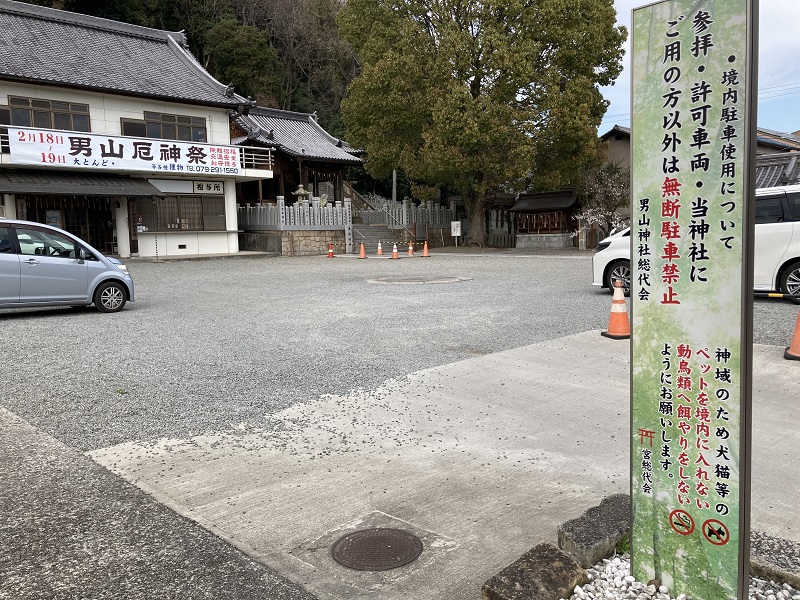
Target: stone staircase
x=371, y=235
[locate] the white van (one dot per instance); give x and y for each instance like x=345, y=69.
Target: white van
x=777, y=246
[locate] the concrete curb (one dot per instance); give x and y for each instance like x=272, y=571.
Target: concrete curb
x=549, y=573
x=595, y=534
x=544, y=571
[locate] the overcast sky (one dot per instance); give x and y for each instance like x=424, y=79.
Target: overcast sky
x=779, y=68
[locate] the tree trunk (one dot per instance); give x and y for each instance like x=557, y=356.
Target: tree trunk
x=476, y=203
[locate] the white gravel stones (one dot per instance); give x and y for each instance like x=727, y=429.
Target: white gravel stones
x=611, y=580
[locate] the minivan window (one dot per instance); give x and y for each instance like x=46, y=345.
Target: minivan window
x=5, y=240
x=37, y=242
x=794, y=205
x=769, y=209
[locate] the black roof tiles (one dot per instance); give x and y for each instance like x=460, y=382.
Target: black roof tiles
x=44, y=45
x=296, y=134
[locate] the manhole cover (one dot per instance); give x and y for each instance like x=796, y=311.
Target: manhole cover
x=377, y=549
x=417, y=279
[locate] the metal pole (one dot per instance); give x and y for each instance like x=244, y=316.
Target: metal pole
x=155, y=214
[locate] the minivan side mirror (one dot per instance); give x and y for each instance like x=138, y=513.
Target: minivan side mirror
x=81, y=254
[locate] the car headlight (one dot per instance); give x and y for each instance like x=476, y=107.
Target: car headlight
x=602, y=246
x=122, y=268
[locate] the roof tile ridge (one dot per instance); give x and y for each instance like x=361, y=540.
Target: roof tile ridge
x=333, y=140
x=91, y=22
x=182, y=52
x=279, y=113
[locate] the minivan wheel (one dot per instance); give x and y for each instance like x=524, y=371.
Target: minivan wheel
x=109, y=297
x=619, y=270
x=790, y=280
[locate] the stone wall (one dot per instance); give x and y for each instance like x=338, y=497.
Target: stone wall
x=260, y=242
x=312, y=243
x=294, y=243
x=545, y=240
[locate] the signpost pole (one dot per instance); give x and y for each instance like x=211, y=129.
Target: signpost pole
x=692, y=189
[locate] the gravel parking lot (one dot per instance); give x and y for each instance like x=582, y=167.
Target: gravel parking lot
x=210, y=344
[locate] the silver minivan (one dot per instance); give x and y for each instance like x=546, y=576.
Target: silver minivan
x=41, y=265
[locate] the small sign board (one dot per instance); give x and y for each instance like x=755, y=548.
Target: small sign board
x=455, y=230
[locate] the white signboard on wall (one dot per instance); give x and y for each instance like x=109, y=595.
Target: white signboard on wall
x=75, y=150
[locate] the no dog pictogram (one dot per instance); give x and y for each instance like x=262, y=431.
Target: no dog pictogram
x=681, y=521
x=716, y=532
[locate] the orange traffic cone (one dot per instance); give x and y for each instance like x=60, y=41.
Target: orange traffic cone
x=330, y=249
x=380, y=249
x=425, y=250
x=619, y=327
x=362, y=254
x=394, y=251
x=793, y=351
x=410, y=249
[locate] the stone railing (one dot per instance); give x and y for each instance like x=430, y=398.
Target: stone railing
x=279, y=217
x=406, y=214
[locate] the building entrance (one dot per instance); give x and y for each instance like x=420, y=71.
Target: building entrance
x=89, y=217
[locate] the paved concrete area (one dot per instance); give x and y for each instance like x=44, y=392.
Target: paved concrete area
x=71, y=529
x=276, y=345
x=483, y=458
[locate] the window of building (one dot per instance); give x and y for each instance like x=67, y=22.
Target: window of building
x=166, y=127
x=197, y=213
x=45, y=114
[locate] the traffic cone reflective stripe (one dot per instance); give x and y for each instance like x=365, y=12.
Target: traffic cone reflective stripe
x=362, y=254
x=425, y=249
x=619, y=327
x=793, y=351
x=330, y=249
x=380, y=249
x=394, y=251
x=410, y=249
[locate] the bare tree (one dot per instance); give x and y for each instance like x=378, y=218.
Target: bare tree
x=604, y=192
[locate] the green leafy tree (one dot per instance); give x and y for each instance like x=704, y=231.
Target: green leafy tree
x=242, y=55
x=477, y=95
x=316, y=64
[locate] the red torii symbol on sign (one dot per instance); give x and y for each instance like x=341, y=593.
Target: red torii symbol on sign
x=646, y=434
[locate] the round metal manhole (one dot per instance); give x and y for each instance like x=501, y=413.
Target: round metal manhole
x=417, y=279
x=377, y=549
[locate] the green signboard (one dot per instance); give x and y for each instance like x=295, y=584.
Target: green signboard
x=691, y=294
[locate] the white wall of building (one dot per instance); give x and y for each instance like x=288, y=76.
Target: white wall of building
x=106, y=110
x=105, y=113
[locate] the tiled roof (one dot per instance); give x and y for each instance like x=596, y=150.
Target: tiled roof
x=617, y=130
x=773, y=170
x=778, y=139
x=545, y=201
x=44, y=45
x=296, y=134
x=72, y=184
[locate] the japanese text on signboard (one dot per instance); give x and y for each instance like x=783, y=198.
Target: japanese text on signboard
x=88, y=151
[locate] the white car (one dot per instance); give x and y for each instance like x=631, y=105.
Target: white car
x=777, y=246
